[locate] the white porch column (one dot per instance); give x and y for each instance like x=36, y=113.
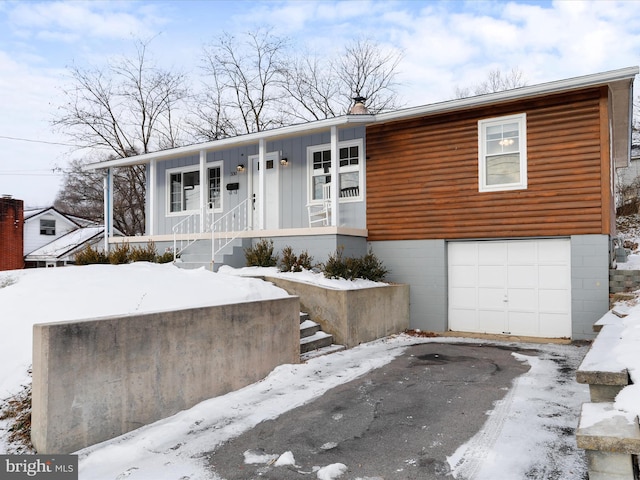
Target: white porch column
x=203, y=190
x=108, y=208
x=335, y=178
x=262, y=147
x=151, y=197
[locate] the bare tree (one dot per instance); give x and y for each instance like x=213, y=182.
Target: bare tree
x=325, y=87
x=127, y=108
x=367, y=70
x=258, y=82
x=82, y=195
x=313, y=92
x=496, y=81
x=243, y=88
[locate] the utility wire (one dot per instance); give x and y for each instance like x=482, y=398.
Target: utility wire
x=36, y=141
x=27, y=174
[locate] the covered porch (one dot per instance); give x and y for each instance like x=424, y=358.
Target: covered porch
x=282, y=184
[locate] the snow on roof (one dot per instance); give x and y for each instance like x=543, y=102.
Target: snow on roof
x=32, y=213
x=64, y=245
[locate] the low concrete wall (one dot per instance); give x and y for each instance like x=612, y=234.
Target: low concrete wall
x=353, y=316
x=97, y=379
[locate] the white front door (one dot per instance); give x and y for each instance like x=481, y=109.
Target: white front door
x=271, y=204
x=516, y=287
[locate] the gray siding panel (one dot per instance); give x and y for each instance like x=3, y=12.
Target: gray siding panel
x=589, y=283
x=293, y=181
x=321, y=246
x=423, y=265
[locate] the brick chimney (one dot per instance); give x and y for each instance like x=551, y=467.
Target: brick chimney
x=11, y=233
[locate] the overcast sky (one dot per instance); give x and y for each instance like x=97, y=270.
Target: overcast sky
x=445, y=44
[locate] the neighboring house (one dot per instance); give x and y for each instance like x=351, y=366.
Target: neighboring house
x=52, y=238
x=497, y=210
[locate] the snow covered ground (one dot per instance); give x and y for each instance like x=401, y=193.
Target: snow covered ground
x=544, y=402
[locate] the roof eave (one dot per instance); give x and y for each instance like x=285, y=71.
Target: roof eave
x=247, y=139
x=558, y=86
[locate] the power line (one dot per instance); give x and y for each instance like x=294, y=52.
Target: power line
x=30, y=174
x=36, y=141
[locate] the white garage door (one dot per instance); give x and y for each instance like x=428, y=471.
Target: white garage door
x=516, y=287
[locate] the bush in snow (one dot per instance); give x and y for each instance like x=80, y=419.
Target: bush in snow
x=144, y=254
x=166, y=257
x=90, y=256
x=368, y=267
x=293, y=263
x=123, y=253
x=371, y=267
x=261, y=254
x=120, y=254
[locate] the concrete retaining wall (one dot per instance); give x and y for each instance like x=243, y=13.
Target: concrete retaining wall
x=94, y=380
x=353, y=316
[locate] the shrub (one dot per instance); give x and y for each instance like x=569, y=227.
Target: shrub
x=166, y=257
x=261, y=254
x=292, y=263
x=368, y=267
x=120, y=254
x=16, y=412
x=335, y=266
x=144, y=254
x=90, y=256
x=372, y=268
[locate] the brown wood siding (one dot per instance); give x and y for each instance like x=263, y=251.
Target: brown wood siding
x=422, y=174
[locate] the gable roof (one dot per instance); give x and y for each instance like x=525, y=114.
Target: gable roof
x=32, y=215
x=66, y=244
x=621, y=79
x=74, y=219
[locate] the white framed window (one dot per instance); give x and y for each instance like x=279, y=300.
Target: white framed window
x=183, y=187
x=502, y=149
x=350, y=160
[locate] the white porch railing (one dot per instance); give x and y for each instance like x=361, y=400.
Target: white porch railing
x=184, y=233
x=224, y=230
x=227, y=228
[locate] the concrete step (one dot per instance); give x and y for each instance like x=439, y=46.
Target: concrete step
x=313, y=341
x=317, y=340
x=192, y=265
x=321, y=351
x=308, y=328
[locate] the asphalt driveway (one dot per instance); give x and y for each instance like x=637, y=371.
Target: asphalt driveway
x=400, y=421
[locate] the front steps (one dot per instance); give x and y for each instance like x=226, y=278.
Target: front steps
x=313, y=341
x=198, y=255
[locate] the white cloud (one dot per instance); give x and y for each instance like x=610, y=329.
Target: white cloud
x=560, y=40
x=73, y=21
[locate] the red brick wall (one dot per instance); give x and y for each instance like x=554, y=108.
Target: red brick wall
x=11, y=233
